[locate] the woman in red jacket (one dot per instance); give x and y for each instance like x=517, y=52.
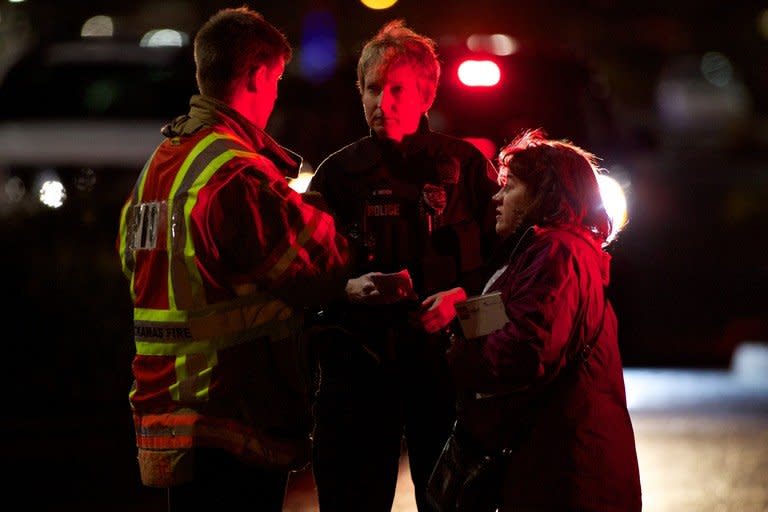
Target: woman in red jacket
x=548, y=384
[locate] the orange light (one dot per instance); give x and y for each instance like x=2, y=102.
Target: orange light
x=378, y=4
x=479, y=73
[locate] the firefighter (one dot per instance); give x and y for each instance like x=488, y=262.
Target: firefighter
x=407, y=198
x=223, y=258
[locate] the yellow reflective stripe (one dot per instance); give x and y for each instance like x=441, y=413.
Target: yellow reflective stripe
x=274, y=330
x=153, y=348
x=289, y=255
x=177, y=182
x=193, y=376
x=194, y=337
x=216, y=320
x=234, y=321
x=200, y=182
x=127, y=269
x=125, y=256
x=159, y=315
x=123, y=234
x=208, y=171
x=199, y=148
x=179, y=366
x=175, y=332
x=143, y=176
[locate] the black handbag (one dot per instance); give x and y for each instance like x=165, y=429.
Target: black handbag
x=466, y=478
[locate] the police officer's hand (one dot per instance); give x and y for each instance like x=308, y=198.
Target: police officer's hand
x=437, y=311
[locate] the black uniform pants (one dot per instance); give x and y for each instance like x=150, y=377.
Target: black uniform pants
x=367, y=402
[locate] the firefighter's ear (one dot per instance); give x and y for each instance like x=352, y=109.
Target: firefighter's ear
x=255, y=75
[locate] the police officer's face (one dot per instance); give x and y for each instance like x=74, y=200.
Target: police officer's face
x=392, y=101
x=512, y=201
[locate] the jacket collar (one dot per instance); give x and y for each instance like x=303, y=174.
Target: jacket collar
x=410, y=143
x=205, y=111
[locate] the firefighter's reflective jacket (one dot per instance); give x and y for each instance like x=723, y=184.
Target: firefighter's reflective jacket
x=222, y=257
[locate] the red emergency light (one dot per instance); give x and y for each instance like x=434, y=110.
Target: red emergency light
x=479, y=73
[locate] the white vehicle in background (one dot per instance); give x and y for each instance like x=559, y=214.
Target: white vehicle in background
x=77, y=111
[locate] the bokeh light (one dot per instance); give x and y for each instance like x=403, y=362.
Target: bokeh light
x=479, y=73
x=497, y=44
x=52, y=193
x=762, y=23
x=378, y=4
x=15, y=189
x=615, y=202
x=318, y=51
x=164, y=37
x=716, y=68
x=98, y=26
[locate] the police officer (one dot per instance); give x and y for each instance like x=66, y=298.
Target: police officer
x=407, y=198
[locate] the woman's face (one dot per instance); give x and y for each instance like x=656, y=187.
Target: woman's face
x=513, y=201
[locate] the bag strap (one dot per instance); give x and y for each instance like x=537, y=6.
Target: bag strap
x=586, y=349
x=543, y=390
x=582, y=356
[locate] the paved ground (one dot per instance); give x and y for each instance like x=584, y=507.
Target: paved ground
x=702, y=439
x=703, y=463
x=688, y=463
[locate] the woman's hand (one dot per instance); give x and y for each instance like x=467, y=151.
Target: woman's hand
x=437, y=311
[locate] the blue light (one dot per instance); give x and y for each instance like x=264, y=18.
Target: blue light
x=318, y=53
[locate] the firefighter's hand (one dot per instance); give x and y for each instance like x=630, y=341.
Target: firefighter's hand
x=378, y=288
x=362, y=290
x=437, y=311
x=316, y=199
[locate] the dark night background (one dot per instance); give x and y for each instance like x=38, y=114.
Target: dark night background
x=625, y=80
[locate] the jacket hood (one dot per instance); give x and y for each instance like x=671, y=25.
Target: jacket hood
x=583, y=240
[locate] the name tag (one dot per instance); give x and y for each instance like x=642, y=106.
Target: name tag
x=149, y=226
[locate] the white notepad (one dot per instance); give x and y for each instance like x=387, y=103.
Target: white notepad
x=481, y=314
